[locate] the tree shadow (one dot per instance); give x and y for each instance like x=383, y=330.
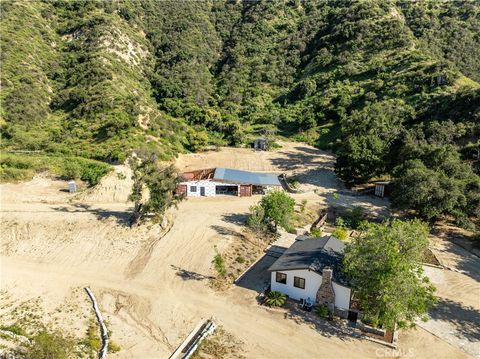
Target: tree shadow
x=293, y=161
x=224, y=231
x=466, y=261
x=235, y=218
x=466, y=319
x=321, y=177
x=189, y=275
x=122, y=217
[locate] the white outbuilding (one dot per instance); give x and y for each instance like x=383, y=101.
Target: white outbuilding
x=226, y=181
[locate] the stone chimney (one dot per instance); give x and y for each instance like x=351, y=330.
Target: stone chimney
x=325, y=294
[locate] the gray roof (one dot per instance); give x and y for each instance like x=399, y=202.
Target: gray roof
x=314, y=254
x=245, y=177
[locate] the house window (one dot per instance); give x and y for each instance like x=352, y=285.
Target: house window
x=281, y=278
x=299, y=282
x=193, y=188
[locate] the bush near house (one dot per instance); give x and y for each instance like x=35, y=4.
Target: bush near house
x=316, y=232
x=275, y=299
x=340, y=233
x=322, y=311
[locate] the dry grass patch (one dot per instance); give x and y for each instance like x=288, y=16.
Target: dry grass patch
x=220, y=344
x=244, y=249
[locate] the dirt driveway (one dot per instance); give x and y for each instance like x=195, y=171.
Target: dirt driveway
x=456, y=317
x=152, y=284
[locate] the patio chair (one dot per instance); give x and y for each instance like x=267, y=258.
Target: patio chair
x=306, y=304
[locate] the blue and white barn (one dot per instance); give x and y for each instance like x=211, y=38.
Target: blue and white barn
x=226, y=181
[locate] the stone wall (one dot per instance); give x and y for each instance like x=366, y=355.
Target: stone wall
x=325, y=294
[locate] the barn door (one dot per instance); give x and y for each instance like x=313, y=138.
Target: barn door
x=181, y=190
x=202, y=191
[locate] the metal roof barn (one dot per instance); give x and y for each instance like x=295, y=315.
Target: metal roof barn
x=245, y=177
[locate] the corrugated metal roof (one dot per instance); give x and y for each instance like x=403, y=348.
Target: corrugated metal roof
x=245, y=177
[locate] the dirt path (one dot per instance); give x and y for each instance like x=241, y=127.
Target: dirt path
x=456, y=317
x=153, y=287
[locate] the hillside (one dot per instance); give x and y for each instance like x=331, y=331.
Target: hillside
x=387, y=85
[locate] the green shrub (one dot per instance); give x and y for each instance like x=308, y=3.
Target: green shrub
x=113, y=347
x=93, y=171
x=15, y=174
x=279, y=208
x=355, y=216
x=14, y=328
x=303, y=205
x=92, y=341
x=219, y=264
x=291, y=229
x=340, y=222
x=72, y=170
x=256, y=219
x=275, y=299
x=240, y=259
x=20, y=167
x=272, y=145
x=462, y=220
x=316, y=232
x=46, y=345
x=340, y=233
x=322, y=311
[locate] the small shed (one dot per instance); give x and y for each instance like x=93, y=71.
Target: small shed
x=441, y=80
x=260, y=144
x=72, y=187
x=382, y=189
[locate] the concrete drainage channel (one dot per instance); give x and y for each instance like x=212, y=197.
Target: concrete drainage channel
x=193, y=340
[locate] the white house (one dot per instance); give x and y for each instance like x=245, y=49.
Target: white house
x=312, y=269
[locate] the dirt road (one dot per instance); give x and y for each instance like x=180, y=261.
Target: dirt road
x=456, y=317
x=152, y=284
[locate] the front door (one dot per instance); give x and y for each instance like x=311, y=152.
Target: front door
x=202, y=191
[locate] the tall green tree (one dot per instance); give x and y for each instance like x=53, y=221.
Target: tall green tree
x=278, y=207
x=368, y=137
x=158, y=180
x=438, y=183
x=385, y=266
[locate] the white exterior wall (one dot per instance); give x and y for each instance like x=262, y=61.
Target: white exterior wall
x=342, y=296
x=312, y=283
x=209, y=187
x=313, y=280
